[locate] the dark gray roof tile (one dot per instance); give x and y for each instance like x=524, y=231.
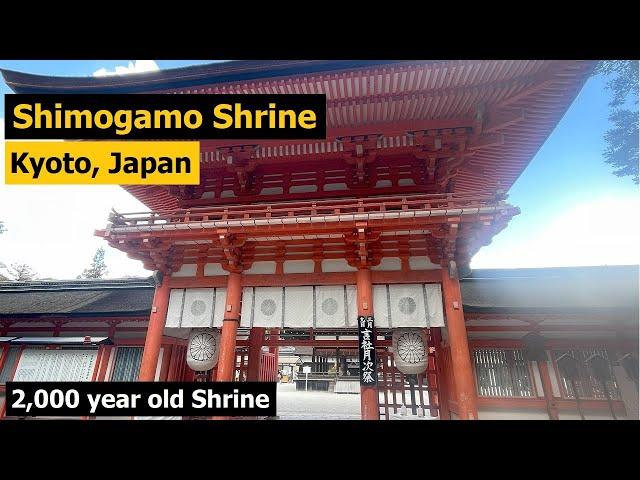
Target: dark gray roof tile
x=73, y=297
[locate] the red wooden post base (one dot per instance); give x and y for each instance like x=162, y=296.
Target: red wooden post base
x=460, y=356
x=368, y=395
x=227, y=358
x=155, y=330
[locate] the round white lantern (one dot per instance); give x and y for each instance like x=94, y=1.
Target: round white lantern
x=202, y=349
x=410, y=350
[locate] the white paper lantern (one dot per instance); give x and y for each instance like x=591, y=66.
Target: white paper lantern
x=410, y=350
x=202, y=350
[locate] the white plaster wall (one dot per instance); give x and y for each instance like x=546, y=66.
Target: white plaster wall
x=262, y=268
x=329, y=187
x=212, y=269
x=298, y=266
x=338, y=265
x=271, y=191
x=186, y=270
x=388, y=263
x=303, y=189
x=422, y=263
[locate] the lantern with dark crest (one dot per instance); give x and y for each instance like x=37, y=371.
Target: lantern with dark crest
x=410, y=350
x=202, y=350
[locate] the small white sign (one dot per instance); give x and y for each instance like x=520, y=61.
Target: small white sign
x=306, y=369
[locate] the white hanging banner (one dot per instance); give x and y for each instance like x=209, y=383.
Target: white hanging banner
x=435, y=308
x=219, y=306
x=174, y=312
x=267, y=310
x=381, y=306
x=68, y=365
x=326, y=306
x=330, y=306
x=246, y=312
x=298, y=307
x=352, y=306
x=198, y=308
x=407, y=305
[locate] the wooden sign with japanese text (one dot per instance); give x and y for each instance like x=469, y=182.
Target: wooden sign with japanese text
x=367, y=349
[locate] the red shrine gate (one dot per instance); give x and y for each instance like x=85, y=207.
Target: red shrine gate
x=408, y=185
x=395, y=389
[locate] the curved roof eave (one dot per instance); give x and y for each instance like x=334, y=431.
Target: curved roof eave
x=208, y=74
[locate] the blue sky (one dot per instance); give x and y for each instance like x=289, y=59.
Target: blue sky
x=574, y=210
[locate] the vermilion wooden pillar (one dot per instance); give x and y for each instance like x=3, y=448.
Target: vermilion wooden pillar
x=368, y=395
x=227, y=357
x=166, y=362
x=275, y=333
x=256, y=338
x=155, y=331
x=105, y=363
x=460, y=356
x=552, y=408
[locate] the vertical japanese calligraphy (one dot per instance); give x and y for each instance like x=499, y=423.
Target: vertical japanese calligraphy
x=367, y=348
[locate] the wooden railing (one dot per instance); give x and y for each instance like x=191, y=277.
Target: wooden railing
x=309, y=208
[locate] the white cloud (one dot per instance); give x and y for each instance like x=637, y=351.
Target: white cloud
x=602, y=231
x=137, y=66
x=51, y=227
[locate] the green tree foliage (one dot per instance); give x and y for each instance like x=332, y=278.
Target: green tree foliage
x=98, y=267
x=622, y=138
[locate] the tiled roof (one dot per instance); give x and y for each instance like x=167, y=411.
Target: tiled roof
x=77, y=297
x=532, y=290
x=557, y=290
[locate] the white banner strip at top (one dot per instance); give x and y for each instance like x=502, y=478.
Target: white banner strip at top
x=322, y=306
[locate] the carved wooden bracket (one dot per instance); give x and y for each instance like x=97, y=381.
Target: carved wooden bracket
x=232, y=249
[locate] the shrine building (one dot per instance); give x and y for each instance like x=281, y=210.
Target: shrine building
x=353, y=251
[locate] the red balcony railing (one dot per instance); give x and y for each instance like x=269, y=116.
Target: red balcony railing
x=436, y=202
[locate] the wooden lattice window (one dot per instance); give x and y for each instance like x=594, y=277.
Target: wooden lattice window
x=587, y=385
x=503, y=373
x=127, y=364
x=8, y=360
